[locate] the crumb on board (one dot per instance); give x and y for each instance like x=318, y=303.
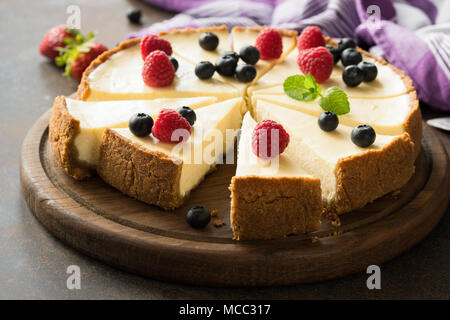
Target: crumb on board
x=396, y=193
x=218, y=223
x=314, y=239
x=214, y=213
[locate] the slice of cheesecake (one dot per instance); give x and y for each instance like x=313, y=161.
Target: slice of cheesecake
x=117, y=75
x=350, y=176
x=390, y=81
x=389, y=116
x=271, y=199
x=76, y=126
x=163, y=174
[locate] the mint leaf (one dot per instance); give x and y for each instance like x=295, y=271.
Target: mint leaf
x=304, y=88
x=335, y=100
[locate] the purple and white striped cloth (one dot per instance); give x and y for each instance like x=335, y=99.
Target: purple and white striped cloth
x=413, y=35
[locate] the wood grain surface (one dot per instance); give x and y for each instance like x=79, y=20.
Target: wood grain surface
x=103, y=223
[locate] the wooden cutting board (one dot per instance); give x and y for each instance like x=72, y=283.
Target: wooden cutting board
x=107, y=225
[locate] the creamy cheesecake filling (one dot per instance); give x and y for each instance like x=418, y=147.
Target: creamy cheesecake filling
x=387, y=84
x=120, y=78
x=182, y=40
x=95, y=117
x=313, y=149
x=386, y=116
x=212, y=122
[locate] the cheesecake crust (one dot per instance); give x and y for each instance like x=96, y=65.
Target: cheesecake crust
x=365, y=177
x=63, y=129
x=146, y=175
x=268, y=208
x=194, y=30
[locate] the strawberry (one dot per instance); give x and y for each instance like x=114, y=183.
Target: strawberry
x=269, y=44
x=84, y=59
x=170, y=126
x=78, y=54
x=54, y=38
x=310, y=37
x=158, y=71
x=152, y=42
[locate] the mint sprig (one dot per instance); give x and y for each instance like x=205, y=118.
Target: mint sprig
x=305, y=88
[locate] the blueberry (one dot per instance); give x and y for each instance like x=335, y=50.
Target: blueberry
x=226, y=66
x=328, y=121
x=174, y=63
x=335, y=52
x=198, y=217
x=208, y=41
x=363, y=135
x=204, y=70
x=141, y=124
x=352, y=76
x=350, y=56
x=249, y=54
x=346, y=43
x=369, y=69
x=134, y=15
x=188, y=114
x=232, y=54
x=245, y=72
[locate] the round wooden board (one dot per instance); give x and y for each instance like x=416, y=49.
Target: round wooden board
x=105, y=224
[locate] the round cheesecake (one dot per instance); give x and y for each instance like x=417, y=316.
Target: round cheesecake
x=319, y=171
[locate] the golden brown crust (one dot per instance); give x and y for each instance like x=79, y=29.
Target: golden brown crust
x=413, y=124
x=63, y=129
x=283, y=32
x=146, y=175
x=269, y=208
x=365, y=177
x=83, y=87
x=194, y=30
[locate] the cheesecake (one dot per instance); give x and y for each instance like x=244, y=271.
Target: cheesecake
x=388, y=116
x=271, y=198
x=117, y=75
x=185, y=43
x=162, y=173
x=76, y=127
x=350, y=176
x=319, y=172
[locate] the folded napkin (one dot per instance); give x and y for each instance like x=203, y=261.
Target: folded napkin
x=413, y=35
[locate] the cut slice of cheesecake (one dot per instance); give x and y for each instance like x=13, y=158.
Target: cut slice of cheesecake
x=185, y=43
x=117, y=75
x=163, y=174
x=390, y=81
x=350, y=176
x=271, y=199
x=76, y=126
x=388, y=116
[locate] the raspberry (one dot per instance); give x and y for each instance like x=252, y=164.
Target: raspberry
x=310, y=37
x=316, y=61
x=269, y=44
x=167, y=123
x=152, y=42
x=262, y=139
x=158, y=71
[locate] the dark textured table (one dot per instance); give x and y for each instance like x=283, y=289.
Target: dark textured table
x=33, y=264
